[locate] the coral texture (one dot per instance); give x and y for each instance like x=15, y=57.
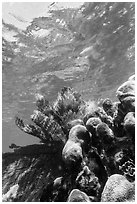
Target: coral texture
x=118, y=189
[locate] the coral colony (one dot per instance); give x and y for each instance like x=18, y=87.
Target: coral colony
x=98, y=145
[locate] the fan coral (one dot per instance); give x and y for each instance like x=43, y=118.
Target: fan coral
x=51, y=120
x=72, y=123
x=11, y=194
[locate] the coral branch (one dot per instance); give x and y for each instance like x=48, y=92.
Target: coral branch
x=30, y=129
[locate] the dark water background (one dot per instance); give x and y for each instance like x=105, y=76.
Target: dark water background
x=96, y=75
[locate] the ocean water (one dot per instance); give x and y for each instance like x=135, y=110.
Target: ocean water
x=95, y=67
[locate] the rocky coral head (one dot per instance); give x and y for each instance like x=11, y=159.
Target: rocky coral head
x=79, y=134
x=72, y=154
x=104, y=133
x=126, y=89
x=126, y=95
x=78, y=196
x=129, y=103
x=129, y=125
x=118, y=189
x=92, y=123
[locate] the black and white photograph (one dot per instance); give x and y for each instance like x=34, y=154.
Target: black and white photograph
x=68, y=101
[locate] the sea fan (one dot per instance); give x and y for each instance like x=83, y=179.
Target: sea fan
x=51, y=119
x=68, y=102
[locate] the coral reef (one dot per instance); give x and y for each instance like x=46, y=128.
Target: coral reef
x=118, y=189
x=96, y=144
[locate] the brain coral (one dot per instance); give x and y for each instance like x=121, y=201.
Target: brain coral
x=118, y=189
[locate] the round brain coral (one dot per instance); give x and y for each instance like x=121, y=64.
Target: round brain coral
x=118, y=189
x=78, y=196
x=79, y=134
x=126, y=95
x=72, y=154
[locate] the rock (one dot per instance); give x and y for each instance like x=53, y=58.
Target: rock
x=129, y=124
x=79, y=134
x=72, y=154
x=126, y=95
x=118, y=189
x=78, y=196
